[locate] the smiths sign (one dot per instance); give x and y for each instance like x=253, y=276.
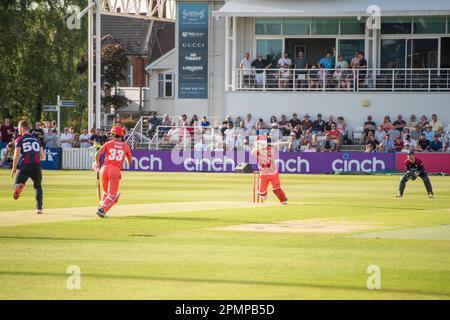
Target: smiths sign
x=193, y=50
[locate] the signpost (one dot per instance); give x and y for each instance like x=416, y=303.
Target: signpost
x=57, y=108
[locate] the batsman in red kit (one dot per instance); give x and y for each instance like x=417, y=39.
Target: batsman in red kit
x=116, y=152
x=268, y=172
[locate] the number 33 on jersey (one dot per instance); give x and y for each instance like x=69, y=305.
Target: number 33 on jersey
x=115, y=153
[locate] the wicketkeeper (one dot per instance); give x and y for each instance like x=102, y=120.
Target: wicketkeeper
x=414, y=169
x=268, y=172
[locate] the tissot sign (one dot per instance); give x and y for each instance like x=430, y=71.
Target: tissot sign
x=192, y=50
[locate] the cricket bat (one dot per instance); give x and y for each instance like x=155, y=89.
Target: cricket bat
x=99, y=193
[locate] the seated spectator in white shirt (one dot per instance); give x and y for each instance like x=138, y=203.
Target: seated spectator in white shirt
x=85, y=139
x=406, y=148
x=173, y=135
x=275, y=133
x=66, y=139
x=436, y=124
x=249, y=122
x=380, y=133
x=201, y=145
x=310, y=148
x=408, y=140
x=246, y=67
x=284, y=64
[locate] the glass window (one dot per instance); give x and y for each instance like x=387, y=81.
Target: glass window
x=398, y=25
x=348, y=48
x=393, y=52
x=270, y=49
x=424, y=53
x=296, y=26
x=353, y=26
x=324, y=26
x=165, y=85
x=130, y=75
x=268, y=26
x=428, y=25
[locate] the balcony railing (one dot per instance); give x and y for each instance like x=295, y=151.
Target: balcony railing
x=342, y=80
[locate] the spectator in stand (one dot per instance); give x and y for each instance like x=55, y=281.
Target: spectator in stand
x=76, y=140
x=153, y=123
x=230, y=137
x=399, y=124
x=295, y=121
x=387, y=144
x=7, y=131
x=38, y=132
x=413, y=126
x=67, y=139
x=445, y=148
x=422, y=144
x=261, y=129
x=341, y=63
x=369, y=148
x=329, y=123
x=410, y=142
x=315, y=141
x=436, y=124
x=284, y=64
x=335, y=136
x=327, y=62
x=93, y=135
x=328, y=145
x=249, y=122
x=407, y=148
x=225, y=124
x=202, y=145
x=387, y=124
x=246, y=67
x=429, y=133
x=284, y=126
x=260, y=65
x=362, y=66
x=310, y=148
x=85, y=138
x=51, y=139
x=342, y=128
x=205, y=123
x=354, y=63
x=306, y=137
x=373, y=141
x=318, y=127
x=398, y=144
x=182, y=120
x=237, y=122
x=297, y=131
x=275, y=133
x=405, y=132
x=194, y=120
x=313, y=76
x=436, y=145
x=380, y=133
x=165, y=125
x=294, y=142
x=301, y=64
x=368, y=128
x=240, y=135
x=172, y=136
x=423, y=123
x=306, y=123
x=273, y=120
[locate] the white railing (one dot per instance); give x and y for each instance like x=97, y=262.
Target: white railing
x=183, y=137
x=343, y=80
x=136, y=135
x=78, y=158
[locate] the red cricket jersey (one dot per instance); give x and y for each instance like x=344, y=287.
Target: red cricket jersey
x=115, y=153
x=266, y=161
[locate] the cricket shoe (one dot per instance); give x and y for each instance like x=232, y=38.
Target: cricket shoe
x=101, y=213
x=18, y=190
x=430, y=195
x=284, y=203
x=39, y=211
x=399, y=195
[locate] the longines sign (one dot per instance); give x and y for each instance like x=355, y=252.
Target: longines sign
x=193, y=50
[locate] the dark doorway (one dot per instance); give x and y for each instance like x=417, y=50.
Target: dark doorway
x=314, y=49
x=445, y=52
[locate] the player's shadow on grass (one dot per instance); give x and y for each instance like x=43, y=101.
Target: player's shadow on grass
x=189, y=219
x=222, y=281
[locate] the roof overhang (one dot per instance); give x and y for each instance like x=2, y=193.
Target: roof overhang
x=331, y=8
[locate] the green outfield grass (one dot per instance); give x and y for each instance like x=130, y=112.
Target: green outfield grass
x=181, y=256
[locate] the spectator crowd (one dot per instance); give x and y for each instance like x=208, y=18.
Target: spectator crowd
x=300, y=133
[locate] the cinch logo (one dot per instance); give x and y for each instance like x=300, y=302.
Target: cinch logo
x=297, y=165
x=192, y=14
x=151, y=163
x=347, y=165
x=209, y=165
